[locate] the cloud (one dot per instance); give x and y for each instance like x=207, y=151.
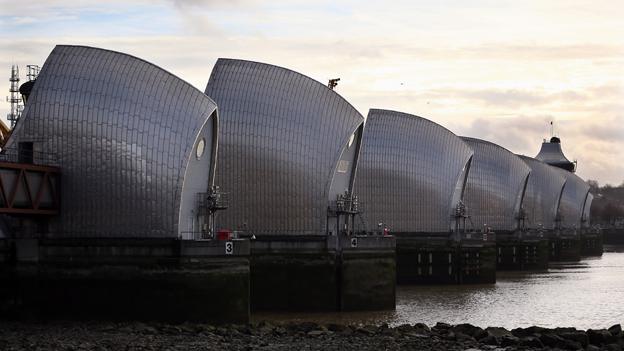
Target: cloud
x=605, y=131
x=510, y=97
x=520, y=134
x=211, y=4
x=476, y=69
x=537, y=97
x=29, y=12
x=545, y=51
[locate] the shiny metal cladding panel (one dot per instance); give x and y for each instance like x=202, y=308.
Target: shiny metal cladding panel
x=495, y=186
x=281, y=136
x=572, y=200
x=587, y=210
x=408, y=171
x=542, y=196
x=123, y=131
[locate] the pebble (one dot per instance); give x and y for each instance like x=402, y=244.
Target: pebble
x=305, y=336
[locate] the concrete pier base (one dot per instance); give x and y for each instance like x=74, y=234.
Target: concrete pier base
x=423, y=261
x=4, y=251
x=367, y=273
x=437, y=260
x=613, y=236
x=564, y=248
x=514, y=253
x=591, y=243
x=118, y=279
x=478, y=263
x=323, y=273
x=293, y=275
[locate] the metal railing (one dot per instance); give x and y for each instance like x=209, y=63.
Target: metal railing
x=213, y=200
x=346, y=203
x=14, y=155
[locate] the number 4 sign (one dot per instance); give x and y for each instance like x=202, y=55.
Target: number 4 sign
x=354, y=242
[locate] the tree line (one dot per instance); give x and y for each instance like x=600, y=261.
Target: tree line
x=608, y=205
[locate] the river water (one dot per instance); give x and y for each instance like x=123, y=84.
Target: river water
x=586, y=294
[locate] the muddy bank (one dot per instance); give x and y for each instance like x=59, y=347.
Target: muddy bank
x=299, y=336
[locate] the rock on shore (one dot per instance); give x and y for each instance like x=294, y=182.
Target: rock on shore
x=298, y=336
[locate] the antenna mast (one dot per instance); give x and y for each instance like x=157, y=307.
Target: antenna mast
x=33, y=72
x=14, y=98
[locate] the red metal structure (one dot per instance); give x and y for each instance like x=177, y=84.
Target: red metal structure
x=29, y=189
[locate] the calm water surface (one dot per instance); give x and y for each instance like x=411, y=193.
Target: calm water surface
x=587, y=294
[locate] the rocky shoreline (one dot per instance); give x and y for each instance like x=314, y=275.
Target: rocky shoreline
x=298, y=336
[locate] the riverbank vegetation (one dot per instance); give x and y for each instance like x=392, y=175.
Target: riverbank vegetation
x=608, y=206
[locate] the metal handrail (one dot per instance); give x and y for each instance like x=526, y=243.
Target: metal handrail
x=213, y=200
x=14, y=155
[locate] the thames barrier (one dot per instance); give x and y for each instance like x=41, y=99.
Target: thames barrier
x=126, y=193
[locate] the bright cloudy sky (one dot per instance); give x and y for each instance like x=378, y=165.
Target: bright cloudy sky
x=493, y=69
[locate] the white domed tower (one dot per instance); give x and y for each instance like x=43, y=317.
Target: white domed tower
x=552, y=154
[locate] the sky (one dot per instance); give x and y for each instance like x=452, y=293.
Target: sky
x=492, y=69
